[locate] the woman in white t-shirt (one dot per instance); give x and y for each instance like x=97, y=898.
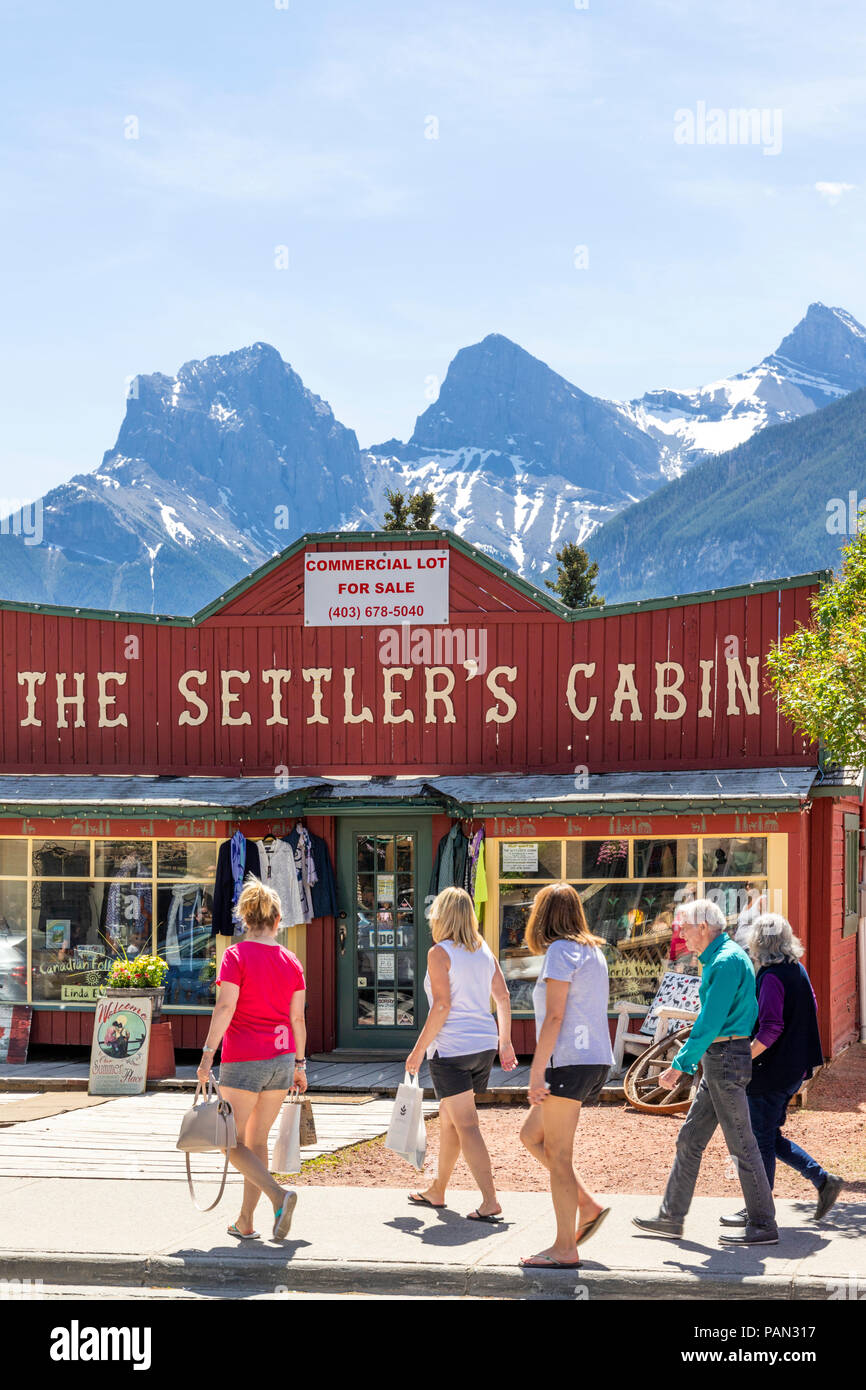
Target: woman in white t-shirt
x=572, y=1058
x=461, y=1038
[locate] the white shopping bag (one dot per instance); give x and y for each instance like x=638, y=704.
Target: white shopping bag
x=407, y=1133
x=286, y=1157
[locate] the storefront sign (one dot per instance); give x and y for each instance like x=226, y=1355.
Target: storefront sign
x=520, y=859
x=385, y=888
x=387, y=1009
x=346, y=588
x=80, y=994
x=121, y=1042
x=386, y=968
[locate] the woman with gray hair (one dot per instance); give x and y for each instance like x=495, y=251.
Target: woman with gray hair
x=786, y=1048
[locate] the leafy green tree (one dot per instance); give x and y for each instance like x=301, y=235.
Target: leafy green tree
x=414, y=515
x=819, y=672
x=575, y=578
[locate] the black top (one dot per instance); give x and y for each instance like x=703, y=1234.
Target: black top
x=797, y=1051
x=224, y=886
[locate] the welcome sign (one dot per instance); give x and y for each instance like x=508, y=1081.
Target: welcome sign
x=120, y=1047
x=345, y=588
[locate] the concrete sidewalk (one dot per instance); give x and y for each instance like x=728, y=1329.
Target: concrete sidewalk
x=106, y=1232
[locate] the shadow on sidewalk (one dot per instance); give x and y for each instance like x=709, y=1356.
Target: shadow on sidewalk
x=452, y=1229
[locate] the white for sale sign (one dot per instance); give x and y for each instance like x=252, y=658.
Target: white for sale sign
x=343, y=588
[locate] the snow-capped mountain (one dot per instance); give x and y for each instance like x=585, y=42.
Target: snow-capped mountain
x=221, y=466
x=822, y=359
x=519, y=459
x=214, y=471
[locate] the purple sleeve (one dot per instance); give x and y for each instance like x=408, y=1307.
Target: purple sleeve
x=771, y=1000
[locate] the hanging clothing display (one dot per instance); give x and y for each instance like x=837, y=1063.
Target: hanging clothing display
x=299, y=841
x=184, y=916
x=127, y=912
x=278, y=871
x=237, y=857
x=475, y=848
x=479, y=892
x=449, y=866
x=324, y=892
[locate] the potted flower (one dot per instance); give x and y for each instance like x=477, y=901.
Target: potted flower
x=143, y=974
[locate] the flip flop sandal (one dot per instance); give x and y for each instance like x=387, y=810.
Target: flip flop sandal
x=240, y=1235
x=283, y=1218
x=535, y=1262
x=591, y=1227
x=419, y=1200
x=491, y=1220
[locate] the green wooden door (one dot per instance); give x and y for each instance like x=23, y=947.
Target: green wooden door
x=384, y=868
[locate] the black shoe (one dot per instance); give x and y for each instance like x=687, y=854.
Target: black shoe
x=739, y=1218
x=752, y=1235
x=658, y=1226
x=827, y=1195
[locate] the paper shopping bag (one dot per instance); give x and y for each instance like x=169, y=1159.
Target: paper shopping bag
x=407, y=1133
x=308, y=1124
x=286, y=1157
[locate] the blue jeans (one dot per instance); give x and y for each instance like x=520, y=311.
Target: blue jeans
x=768, y=1114
x=721, y=1100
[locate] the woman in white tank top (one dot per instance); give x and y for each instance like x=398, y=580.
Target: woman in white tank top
x=461, y=1039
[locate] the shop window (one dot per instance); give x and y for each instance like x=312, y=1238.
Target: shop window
x=13, y=939
x=852, y=875
x=596, y=859
x=191, y=859
x=733, y=858
x=530, y=859
x=71, y=955
x=630, y=890
x=61, y=858
x=666, y=858
x=123, y=859
x=85, y=902
x=13, y=858
x=184, y=938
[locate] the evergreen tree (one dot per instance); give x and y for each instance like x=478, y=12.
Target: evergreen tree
x=575, y=578
x=414, y=515
x=819, y=672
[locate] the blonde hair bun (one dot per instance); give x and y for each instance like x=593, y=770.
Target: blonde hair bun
x=258, y=905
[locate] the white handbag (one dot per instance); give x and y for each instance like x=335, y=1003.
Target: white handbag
x=207, y=1126
x=407, y=1133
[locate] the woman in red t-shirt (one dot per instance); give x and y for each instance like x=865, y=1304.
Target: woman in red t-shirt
x=259, y=1019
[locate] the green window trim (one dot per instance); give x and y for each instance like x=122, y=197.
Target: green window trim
x=851, y=886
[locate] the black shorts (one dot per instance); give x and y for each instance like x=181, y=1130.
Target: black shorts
x=583, y=1083
x=451, y=1076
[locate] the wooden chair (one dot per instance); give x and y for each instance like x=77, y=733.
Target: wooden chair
x=627, y=1045
x=625, y=1042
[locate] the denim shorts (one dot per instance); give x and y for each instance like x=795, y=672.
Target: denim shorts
x=273, y=1074
x=453, y=1076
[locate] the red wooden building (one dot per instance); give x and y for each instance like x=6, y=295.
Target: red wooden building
x=383, y=689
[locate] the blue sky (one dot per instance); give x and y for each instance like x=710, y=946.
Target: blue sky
x=307, y=127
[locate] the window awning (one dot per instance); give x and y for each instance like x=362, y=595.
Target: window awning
x=749, y=789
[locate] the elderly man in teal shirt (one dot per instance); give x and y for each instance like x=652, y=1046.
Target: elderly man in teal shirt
x=720, y=1038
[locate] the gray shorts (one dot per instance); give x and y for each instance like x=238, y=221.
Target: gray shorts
x=274, y=1074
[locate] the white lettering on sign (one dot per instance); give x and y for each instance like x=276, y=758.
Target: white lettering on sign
x=375, y=588
x=391, y=694
x=106, y=701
